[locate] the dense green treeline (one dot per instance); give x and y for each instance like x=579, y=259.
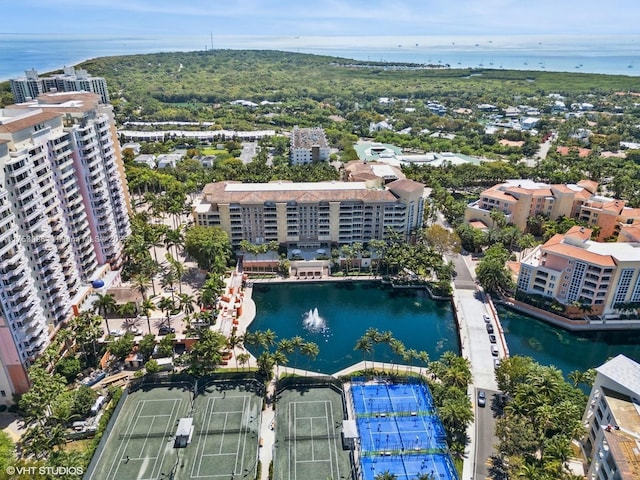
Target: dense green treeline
x=193, y=85
x=223, y=75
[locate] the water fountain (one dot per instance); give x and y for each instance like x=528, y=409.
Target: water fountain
x=314, y=322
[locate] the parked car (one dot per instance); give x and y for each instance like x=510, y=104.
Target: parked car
x=496, y=362
x=489, y=328
x=492, y=338
x=135, y=331
x=116, y=333
x=486, y=318
x=494, y=350
x=164, y=330
x=482, y=398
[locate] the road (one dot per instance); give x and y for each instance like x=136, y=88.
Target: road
x=485, y=437
x=471, y=307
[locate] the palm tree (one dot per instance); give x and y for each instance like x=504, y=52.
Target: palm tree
x=168, y=279
x=398, y=349
x=87, y=328
x=498, y=218
x=142, y=282
x=279, y=358
x=146, y=308
x=297, y=343
x=135, y=248
x=577, y=377
x=310, y=350
x=177, y=269
x=378, y=247
x=529, y=472
x=366, y=346
x=174, y=238
x=423, y=358
x=375, y=337
x=167, y=304
x=268, y=338
x=386, y=475
x=128, y=310
x=155, y=240
x=425, y=476
x=243, y=359
x=232, y=342
x=105, y=304
x=186, y=303
x=265, y=366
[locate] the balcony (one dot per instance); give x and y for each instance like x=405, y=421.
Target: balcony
x=14, y=282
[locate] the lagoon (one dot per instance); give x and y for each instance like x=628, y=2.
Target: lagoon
x=347, y=309
x=568, y=351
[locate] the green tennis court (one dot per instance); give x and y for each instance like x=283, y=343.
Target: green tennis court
x=223, y=441
x=308, y=435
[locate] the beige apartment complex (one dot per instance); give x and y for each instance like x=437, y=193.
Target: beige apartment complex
x=523, y=199
x=572, y=268
x=311, y=215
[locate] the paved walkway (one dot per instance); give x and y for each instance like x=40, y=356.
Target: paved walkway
x=13, y=425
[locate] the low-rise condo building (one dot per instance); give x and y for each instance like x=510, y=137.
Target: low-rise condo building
x=572, y=269
x=63, y=219
x=31, y=85
x=612, y=422
x=523, y=199
x=312, y=215
x=308, y=145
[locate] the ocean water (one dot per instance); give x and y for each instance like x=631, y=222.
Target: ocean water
x=619, y=55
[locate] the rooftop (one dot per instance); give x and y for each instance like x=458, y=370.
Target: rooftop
x=624, y=439
x=16, y=119
x=308, y=138
x=232, y=192
x=624, y=371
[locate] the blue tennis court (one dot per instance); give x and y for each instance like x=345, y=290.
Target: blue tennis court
x=400, y=431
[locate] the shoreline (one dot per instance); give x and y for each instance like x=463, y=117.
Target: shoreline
x=505, y=52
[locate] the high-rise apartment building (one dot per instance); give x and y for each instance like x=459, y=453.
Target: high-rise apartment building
x=63, y=219
x=313, y=215
x=611, y=445
x=31, y=85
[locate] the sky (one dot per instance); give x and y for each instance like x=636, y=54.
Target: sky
x=321, y=17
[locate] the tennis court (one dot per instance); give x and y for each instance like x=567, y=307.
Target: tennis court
x=308, y=435
x=400, y=431
x=141, y=443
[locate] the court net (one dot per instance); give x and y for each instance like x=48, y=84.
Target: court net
x=125, y=436
x=213, y=431
x=299, y=438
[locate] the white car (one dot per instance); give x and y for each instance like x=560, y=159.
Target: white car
x=116, y=333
